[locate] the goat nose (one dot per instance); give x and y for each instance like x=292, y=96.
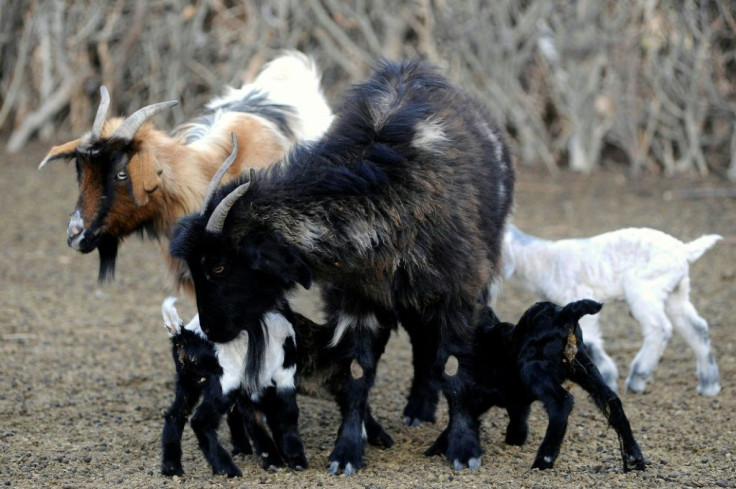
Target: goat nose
x=75, y=229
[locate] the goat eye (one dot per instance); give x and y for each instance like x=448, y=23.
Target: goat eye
x=218, y=270
x=122, y=175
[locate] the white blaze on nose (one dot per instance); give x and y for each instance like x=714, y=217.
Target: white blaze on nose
x=75, y=231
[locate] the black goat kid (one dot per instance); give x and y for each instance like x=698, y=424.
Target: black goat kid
x=199, y=375
x=398, y=214
x=514, y=366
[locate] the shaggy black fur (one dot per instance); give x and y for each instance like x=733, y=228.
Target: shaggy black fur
x=398, y=212
x=515, y=366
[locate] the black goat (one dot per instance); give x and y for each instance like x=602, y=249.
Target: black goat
x=199, y=375
x=515, y=366
x=397, y=213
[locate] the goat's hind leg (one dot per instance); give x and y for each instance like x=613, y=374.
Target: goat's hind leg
x=694, y=329
x=586, y=375
x=558, y=403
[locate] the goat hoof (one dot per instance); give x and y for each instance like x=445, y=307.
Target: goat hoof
x=709, y=390
x=335, y=469
x=543, y=463
x=271, y=461
x=634, y=462
x=171, y=469
x=418, y=411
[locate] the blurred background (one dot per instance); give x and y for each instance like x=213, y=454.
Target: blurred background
x=640, y=86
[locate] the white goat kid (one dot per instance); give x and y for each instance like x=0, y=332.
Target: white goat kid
x=645, y=267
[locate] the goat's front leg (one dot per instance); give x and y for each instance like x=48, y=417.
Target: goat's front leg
x=282, y=416
x=205, y=422
x=586, y=375
x=357, y=354
x=188, y=392
x=558, y=403
x=460, y=441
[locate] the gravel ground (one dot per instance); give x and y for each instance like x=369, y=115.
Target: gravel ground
x=85, y=373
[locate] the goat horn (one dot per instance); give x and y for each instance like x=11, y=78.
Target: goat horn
x=101, y=112
x=217, y=219
x=134, y=122
x=215, y=182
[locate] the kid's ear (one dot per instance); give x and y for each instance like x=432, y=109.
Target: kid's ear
x=575, y=310
x=280, y=260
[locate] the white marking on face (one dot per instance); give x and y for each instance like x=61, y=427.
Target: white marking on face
x=75, y=231
x=346, y=321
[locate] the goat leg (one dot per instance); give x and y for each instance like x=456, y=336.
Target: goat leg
x=377, y=436
x=587, y=376
x=263, y=444
x=238, y=434
x=357, y=354
x=187, y=396
x=558, y=403
x=424, y=392
x=205, y=422
x=518, y=428
x=282, y=417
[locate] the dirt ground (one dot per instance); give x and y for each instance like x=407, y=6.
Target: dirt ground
x=85, y=372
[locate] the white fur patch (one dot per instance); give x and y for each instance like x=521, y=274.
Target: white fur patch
x=308, y=303
x=350, y=321
x=429, y=135
x=232, y=358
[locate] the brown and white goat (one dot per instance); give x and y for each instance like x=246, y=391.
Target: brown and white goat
x=134, y=177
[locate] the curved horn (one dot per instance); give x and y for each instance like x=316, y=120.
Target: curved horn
x=101, y=112
x=134, y=122
x=217, y=219
x=215, y=182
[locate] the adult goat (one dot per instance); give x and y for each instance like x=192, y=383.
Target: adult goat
x=135, y=178
x=397, y=213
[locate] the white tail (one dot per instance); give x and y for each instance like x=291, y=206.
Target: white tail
x=696, y=248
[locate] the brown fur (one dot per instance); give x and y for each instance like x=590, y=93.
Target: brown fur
x=168, y=179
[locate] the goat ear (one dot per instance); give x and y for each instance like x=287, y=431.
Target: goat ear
x=575, y=310
x=144, y=171
x=65, y=150
x=282, y=261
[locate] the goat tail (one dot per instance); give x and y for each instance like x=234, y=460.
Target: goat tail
x=696, y=248
x=293, y=79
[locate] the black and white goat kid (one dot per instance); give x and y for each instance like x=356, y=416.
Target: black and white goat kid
x=214, y=373
x=517, y=365
x=397, y=213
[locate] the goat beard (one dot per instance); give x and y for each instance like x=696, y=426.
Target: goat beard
x=108, y=250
